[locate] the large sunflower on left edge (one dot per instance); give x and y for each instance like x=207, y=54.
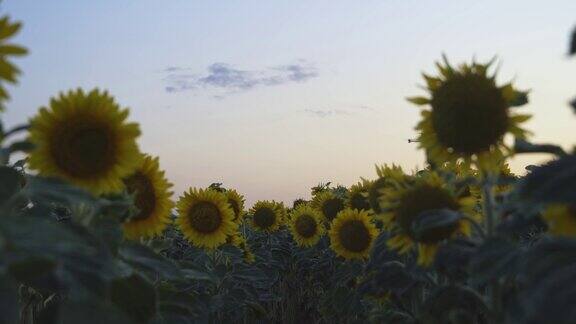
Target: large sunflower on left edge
x=469, y=117
x=352, y=234
x=205, y=218
x=404, y=202
x=152, y=198
x=84, y=139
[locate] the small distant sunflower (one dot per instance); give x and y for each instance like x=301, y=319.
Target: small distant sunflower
x=306, y=225
x=8, y=71
x=205, y=218
x=561, y=219
x=266, y=216
x=408, y=198
x=152, y=198
x=469, y=117
x=236, y=202
x=84, y=138
x=328, y=204
x=358, y=196
x=352, y=234
x=376, y=189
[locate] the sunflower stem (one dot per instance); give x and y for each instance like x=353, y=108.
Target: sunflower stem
x=494, y=291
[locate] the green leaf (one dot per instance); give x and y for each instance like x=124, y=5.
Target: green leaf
x=523, y=146
x=554, y=182
x=135, y=296
x=21, y=146
x=572, y=48
x=143, y=258
x=8, y=301
x=10, y=183
x=496, y=258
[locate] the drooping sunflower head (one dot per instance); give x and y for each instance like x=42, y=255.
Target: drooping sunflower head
x=352, y=234
x=357, y=197
x=470, y=115
x=329, y=204
x=561, y=219
x=205, y=218
x=306, y=225
x=236, y=202
x=84, y=138
x=408, y=199
x=376, y=189
x=266, y=216
x=9, y=72
x=152, y=195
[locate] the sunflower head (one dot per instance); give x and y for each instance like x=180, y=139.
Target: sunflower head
x=357, y=197
x=267, y=215
x=205, y=218
x=236, y=202
x=329, y=204
x=407, y=200
x=9, y=72
x=306, y=225
x=352, y=234
x=152, y=195
x=469, y=115
x=376, y=189
x=84, y=138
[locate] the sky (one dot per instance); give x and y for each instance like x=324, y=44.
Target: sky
x=273, y=97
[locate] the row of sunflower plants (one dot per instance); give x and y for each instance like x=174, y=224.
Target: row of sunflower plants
x=90, y=231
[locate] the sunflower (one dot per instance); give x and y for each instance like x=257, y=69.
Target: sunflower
x=205, y=218
x=236, y=202
x=152, y=198
x=561, y=219
x=469, y=117
x=84, y=138
x=328, y=204
x=8, y=72
x=357, y=197
x=267, y=215
x=408, y=198
x=352, y=234
x=306, y=225
x=375, y=191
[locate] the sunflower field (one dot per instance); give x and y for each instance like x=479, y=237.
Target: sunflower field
x=90, y=231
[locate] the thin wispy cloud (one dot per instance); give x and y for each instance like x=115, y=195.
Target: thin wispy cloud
x=324, y=113
x=227, y=78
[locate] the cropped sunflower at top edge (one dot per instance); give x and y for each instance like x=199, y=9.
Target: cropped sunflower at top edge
x=306, y=225
x=205, y=218
x=469, y=117
x=152, y=195
x=408, y=198
x=84, y=138
x=352, y=234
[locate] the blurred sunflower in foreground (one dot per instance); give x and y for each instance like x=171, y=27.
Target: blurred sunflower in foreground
x=267, y=215
x=8, y=71
x=469, y=117
x=404, y=204
x=306, y=225
x=84, y=138
x=352, y=234
x=152, y=198
x=205, y=218
x=328, y=204
x=561, y=219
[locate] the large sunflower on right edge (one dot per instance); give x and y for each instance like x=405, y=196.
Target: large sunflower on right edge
x=404, y=202
x=469, y=117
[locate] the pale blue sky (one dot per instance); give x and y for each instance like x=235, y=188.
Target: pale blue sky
x=299, y=91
